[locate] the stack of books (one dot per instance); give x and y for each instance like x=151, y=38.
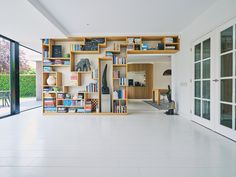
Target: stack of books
x=47, y=62
x=88, y=106
x=47, y=69
x=50, y=104
x=58, y=62
x=169, y=40
x=170, y=47
x=62, y=110
x=92, y=87
x=116, y=74
x=80, y=110
x=119, y=108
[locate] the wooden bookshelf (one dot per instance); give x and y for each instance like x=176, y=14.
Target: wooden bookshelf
x=76, y=48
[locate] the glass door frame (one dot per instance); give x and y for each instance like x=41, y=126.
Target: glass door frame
x=14, y=77
x=199, y=119
x=228, y=132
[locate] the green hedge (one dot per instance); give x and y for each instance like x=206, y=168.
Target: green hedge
x=27, y=84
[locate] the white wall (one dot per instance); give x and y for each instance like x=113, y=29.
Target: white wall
x=182, y=63
x=160, y=81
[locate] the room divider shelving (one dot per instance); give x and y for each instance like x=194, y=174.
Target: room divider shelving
x=78, y=92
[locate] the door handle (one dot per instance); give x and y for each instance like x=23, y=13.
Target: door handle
x=215, y=80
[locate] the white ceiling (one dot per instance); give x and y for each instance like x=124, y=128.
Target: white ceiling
x=20, y=21
x=27, y=21
x=125, y=17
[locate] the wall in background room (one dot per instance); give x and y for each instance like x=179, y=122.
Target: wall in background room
x=160, y=81
x=182, y=63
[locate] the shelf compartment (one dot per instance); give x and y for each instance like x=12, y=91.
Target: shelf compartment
x=58, y=77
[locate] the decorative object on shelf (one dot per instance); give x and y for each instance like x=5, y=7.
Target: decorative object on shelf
x=167, y=72
x=74, y=79
x=68, y=96
x=57, y=51
x=92, y=44
x=160, y=46
x=95, y=74
x=83, y=65
x=115, y=95
x=51, y=80
x=56, y=89
x=169, y=40
x=66, y=62
x=144, y=46
x=75, y=97
x=46, y=41
x=171, y=106
x=60, y=95
x=67, y=55
x=105, y=88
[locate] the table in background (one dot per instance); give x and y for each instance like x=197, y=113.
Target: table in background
x=156, y=95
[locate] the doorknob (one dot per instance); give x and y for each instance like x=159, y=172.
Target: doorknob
x=215, y=80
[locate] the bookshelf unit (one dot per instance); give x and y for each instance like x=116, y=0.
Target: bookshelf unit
x=79, y=91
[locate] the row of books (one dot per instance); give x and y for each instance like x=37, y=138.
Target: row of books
x=45, y=54
x=122, y=81
x=75, y=47
x=92, y=87
x=119, y=60
x=119, y=108
x=78, y=103
x=56, y=62
x=116, y=74
x=50, y=109
x=49, y=102
x=120, y=94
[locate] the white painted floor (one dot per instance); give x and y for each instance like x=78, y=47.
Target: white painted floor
x=146, y=143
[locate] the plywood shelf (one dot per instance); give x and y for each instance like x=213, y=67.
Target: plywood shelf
x=76, y=79
x=152, y=51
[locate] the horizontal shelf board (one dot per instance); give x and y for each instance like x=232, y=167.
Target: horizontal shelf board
x=62, y=106
x=174, y=43
x=120, y=99
x=49, y=85
x=69, y=99
x=106, y=58
x=57, y=65
x=113, y=51
x=82, y=72
x=85, y=52
x=152, y=51
x=119, y=65
x=52, y=58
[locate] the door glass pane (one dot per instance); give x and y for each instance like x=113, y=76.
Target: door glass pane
x=206, y=89
x=197, y=70
x=206, y=109
x=226, y=115
x=197, y=52
x=226, y=90
x=4, y=77
x=206, y=69
x=227, y=40
x=198, y=89
x=30, y=67
x=227, y=65
x=197, y=110
x=206, y=48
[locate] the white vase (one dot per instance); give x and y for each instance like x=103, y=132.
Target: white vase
x=51, y=80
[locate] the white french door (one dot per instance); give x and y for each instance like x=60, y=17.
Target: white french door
x=202, y=81
x=214, y=80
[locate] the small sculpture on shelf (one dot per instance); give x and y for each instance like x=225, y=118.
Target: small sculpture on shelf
x=105, y=88
x=83, y=65
x=171, y=106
